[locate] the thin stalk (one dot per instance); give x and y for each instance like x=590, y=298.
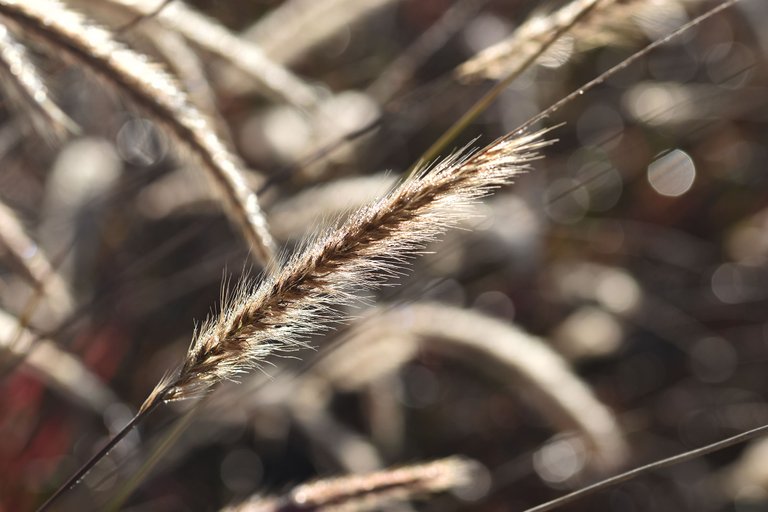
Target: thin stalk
x=625, y=64
x=85, y=468
x=653, y=466
x=286, y=172
x=116, y=503
x=399, y=72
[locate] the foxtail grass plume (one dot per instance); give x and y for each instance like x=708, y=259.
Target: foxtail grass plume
x=371, y=246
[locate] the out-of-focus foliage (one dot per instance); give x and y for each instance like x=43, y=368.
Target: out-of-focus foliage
x=637, y=249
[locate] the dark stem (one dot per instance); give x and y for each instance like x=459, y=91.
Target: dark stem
x=632, y=473
x=85, y=468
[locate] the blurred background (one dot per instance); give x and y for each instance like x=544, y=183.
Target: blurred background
x=635, y=250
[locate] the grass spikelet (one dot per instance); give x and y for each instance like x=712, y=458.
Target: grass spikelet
x=374, y=491
x=611, y=22
x=507, y=56
x=370, y=247
x=620, y=22
x=149, y=87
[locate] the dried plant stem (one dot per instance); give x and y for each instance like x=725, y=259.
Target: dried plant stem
x=85, y=468
x=270, y=78
x=388, y=337
x=33, y=263
x=611, y=22
x=653, y=466
x=624, y=64
x=24, y=85
x=397, y=74
x=188, y=66
x=158, y=451
x=562, y=21
x=606, y=21
x=154, y=91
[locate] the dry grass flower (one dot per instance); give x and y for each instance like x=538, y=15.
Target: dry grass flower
x=373, y=245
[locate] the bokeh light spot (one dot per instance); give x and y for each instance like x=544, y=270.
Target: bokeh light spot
x=672, y=174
